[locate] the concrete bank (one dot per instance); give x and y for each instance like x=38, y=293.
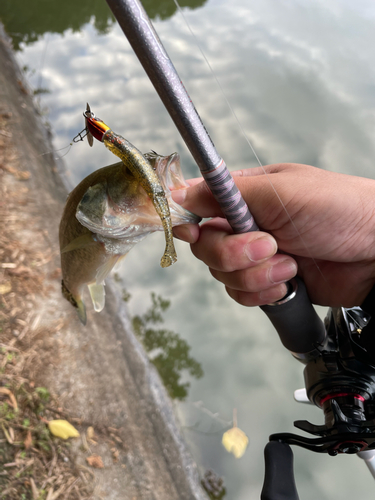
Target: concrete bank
x=100, y=372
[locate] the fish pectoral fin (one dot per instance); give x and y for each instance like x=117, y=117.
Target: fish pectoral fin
x=86, y=240
x=106, y=268
x=96, y=289
x=97, y=294
x=119, y=262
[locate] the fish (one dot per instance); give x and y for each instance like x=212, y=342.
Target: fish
x=104, y=217
x=141, y=168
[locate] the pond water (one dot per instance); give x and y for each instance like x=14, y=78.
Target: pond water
x=300, y=76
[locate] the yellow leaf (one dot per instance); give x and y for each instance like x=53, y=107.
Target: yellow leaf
x=5, y=288
x=235, y=441
x=62, y=429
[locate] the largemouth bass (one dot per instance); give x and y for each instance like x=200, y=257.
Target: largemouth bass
x=105, y=216
x=140, y=167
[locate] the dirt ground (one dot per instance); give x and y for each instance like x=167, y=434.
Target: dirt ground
x=97, y=377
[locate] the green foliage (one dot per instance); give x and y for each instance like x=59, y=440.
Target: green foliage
x=43, y=393
x=27, y=21
x=126, y=295
x=168, y=352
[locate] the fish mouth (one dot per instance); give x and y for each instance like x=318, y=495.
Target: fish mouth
x=168, y=169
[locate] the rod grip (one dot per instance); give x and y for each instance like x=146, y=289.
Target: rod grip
x=299, y=327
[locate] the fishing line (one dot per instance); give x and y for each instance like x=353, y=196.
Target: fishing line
x=56, y=150
x=78, y=138
x=242, y=130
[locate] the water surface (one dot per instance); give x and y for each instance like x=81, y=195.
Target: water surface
x=300, y=77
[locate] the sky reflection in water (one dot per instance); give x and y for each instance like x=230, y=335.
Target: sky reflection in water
x=300, y=76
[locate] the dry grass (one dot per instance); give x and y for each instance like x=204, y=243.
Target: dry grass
x=33, y=464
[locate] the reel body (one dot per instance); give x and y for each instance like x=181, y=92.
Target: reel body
x=340, y=380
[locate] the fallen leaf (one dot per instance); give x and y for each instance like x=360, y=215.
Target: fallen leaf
x=11, y=433
x=115, y=454
x=28, y=441
x=7, y=435
x=90, y=434
x=21, y=271
x=23, y=175
x=95, y=461
x=62, y=429
x=235, y=441
x=116, y=438
x=13, y=400
x=5, y=288
x=34, y=489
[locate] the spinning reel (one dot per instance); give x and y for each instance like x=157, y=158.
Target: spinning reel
x=339, y=378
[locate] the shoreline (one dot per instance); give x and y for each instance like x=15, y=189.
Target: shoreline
x=104, y=379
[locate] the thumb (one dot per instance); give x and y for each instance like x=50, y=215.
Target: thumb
x=198, y=199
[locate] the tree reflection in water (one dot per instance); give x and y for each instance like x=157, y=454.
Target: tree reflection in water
x=167, y=351
x=26, y=22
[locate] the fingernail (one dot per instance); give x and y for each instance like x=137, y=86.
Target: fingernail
x=179, y=195
x=183, y=233
x=261, y=249
x=283, y=271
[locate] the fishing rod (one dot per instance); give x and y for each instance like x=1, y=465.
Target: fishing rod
x=339, y=370
x=294, y=313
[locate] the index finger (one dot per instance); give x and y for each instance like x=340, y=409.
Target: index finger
x=222, y=250
x=198, y=198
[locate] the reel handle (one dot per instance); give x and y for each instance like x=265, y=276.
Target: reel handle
x=279, y=481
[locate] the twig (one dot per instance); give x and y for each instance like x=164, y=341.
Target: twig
x=34, y=489
x=70, y=487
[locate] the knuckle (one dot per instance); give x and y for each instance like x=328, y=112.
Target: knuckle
x=227, y=256
x=243, y=298
x=248, y=281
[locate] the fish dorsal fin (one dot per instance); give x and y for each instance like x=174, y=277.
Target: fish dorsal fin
x=86, y=240
x=97, y=294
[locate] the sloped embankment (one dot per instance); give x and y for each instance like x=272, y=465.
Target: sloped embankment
x=98, y=373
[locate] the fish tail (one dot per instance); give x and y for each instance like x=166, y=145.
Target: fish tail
x=76, y=302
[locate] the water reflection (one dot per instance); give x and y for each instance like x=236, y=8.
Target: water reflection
x=166, y=349
x=26, y=22
x=301, y=78
x=163, y=9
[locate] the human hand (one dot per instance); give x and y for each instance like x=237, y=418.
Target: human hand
x=330, y=242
